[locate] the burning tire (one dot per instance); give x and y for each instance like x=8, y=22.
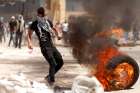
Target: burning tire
x=122, y=72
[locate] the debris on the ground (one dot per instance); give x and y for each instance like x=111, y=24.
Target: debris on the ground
x=86, y=84
x=20, y=84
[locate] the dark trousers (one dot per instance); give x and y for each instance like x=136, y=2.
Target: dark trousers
x=12, y=38
x=18, y=39
x=65, y=37
x=54, y=59
x=2, y=36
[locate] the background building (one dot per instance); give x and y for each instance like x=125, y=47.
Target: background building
x=62, y=9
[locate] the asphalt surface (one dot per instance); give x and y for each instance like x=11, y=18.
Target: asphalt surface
x=34, y=66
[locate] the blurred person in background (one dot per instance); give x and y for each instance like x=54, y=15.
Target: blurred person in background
x=65, y=29
x=12, y=28
x=19, y=32
x=126, y=24
x=136, y=29
x=2, y=30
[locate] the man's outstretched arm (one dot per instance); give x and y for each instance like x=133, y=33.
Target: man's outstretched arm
x=29, y=38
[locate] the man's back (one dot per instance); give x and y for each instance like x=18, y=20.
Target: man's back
x=43, y=35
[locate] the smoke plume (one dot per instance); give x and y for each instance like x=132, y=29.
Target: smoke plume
x=90, y=33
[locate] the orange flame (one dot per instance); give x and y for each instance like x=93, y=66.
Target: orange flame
x=104, y=57
x=117, y=32
x=106, y=54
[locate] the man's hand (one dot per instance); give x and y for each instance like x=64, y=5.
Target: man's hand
x=30, y=46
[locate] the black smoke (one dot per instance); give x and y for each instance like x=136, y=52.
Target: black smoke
x=85, y=35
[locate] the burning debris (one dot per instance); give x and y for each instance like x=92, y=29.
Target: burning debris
x=92, y=42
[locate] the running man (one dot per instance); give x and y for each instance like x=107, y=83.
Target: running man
x=43, y=28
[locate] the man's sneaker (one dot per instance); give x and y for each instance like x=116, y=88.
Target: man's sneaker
x=49, y=80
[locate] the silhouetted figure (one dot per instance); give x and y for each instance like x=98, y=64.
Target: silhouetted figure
x=13, y=27
x=2, y=30
x=136, y=29
x=19, y=32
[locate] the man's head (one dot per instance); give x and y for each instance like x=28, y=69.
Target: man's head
x=12, y=17
x=20, y=17
x=41, y=12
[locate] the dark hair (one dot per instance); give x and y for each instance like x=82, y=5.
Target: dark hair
x=41, y=11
